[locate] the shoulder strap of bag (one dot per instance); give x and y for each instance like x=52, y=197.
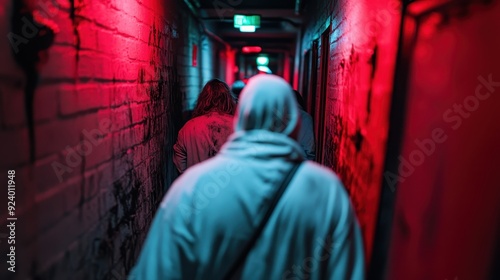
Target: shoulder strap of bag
x=241, y=259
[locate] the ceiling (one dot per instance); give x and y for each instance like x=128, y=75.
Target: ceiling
x=279, y=22
x=249, y=4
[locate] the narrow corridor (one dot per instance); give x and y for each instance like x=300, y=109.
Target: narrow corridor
x=403, y=95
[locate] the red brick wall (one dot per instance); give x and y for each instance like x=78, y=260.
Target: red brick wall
x=446, y=220
x=361, y=59
x=120, y=72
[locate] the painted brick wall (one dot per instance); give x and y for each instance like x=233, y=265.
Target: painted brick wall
x=362, y=52
x=106, y=111
x=194, y=78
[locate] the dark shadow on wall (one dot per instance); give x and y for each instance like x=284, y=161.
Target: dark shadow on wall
x=377, y=266
x=29, y=40
x=175, y=120
x=166, y=96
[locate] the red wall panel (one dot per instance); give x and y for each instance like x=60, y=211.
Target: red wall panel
x=447, y=215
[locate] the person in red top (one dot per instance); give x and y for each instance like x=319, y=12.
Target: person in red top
x=212, y=123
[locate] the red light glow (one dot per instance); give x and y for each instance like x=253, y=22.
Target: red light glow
x=251, y=49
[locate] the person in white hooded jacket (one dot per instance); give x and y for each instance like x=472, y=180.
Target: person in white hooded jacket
x=212, y=211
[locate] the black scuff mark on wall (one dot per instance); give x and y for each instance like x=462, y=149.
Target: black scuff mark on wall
x=333, y=146
x=369, y=104
x=342, y=64
x=156, y=104
x=357, y=139
x=373, y=62
x=165, y=97
x=27, y=55
x=330, y=149
x=142, y=76
x=127, y=197
x=153, y=35
x=353, y=57
x=73, y=14
x=121, y=228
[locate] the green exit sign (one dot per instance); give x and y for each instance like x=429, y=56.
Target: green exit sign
x=246, y=20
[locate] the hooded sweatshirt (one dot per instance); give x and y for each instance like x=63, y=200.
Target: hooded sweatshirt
x=213, y=209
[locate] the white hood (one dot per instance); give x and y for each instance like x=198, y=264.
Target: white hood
x=268, y=103
x=267, y=121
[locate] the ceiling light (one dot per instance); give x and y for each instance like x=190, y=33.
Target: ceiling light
x=251, y=49
x=262, y=61
x=247, y=28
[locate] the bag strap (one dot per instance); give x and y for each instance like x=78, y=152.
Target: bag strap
x=241, y=259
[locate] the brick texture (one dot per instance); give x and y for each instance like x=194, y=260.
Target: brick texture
x=362, y=46
x=108, y=105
